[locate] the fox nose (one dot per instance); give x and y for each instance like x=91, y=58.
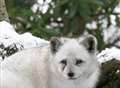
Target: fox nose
x=70, y=74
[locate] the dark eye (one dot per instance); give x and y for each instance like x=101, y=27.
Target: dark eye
x=78, y=62
x=63, y=62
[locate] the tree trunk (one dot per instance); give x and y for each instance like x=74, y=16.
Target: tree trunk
x=3, y=11
x=79, y=26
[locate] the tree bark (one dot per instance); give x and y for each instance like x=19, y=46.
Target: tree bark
x=3, y=11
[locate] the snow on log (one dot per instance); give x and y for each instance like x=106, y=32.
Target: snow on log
x=109, y=54
x=11, y=41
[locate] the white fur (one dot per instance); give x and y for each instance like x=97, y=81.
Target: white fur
x=39, y=68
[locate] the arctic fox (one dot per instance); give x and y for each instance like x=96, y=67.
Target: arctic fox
x=64, y=63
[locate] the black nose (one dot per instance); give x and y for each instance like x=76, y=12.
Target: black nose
x=71, y=74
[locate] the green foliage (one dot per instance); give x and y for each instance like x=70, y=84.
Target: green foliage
x=68, y=16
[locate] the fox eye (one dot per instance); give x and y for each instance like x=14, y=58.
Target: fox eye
x=64, y=62
x=78, y=62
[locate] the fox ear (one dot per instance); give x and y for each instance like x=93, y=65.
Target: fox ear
x=55, y=44
x=90, y=43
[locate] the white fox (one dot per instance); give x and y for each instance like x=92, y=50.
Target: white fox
x=65, y=63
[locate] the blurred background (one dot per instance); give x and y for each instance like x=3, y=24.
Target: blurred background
x=47, y=18
x=72, y=18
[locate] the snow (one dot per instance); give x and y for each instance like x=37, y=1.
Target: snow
x=7, y=30
x=109, y=54
x=9, y=37
x=0, y=59
x=117, y=9
x=42, y=5
x=92, y=25
x=110, y=34
x=28, y=41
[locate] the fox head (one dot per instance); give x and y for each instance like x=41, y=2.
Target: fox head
x=74, y=58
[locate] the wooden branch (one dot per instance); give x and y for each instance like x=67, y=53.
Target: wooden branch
x=3, y=11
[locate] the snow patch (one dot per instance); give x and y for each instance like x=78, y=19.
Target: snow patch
x=41, y=5
x=109, y=54
x=0, y=59
x=117, y=8
x=92, y=25
x=7, y=30
x=28, y=40
x=9, y=36
x=11, y=40
x=110, y=34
